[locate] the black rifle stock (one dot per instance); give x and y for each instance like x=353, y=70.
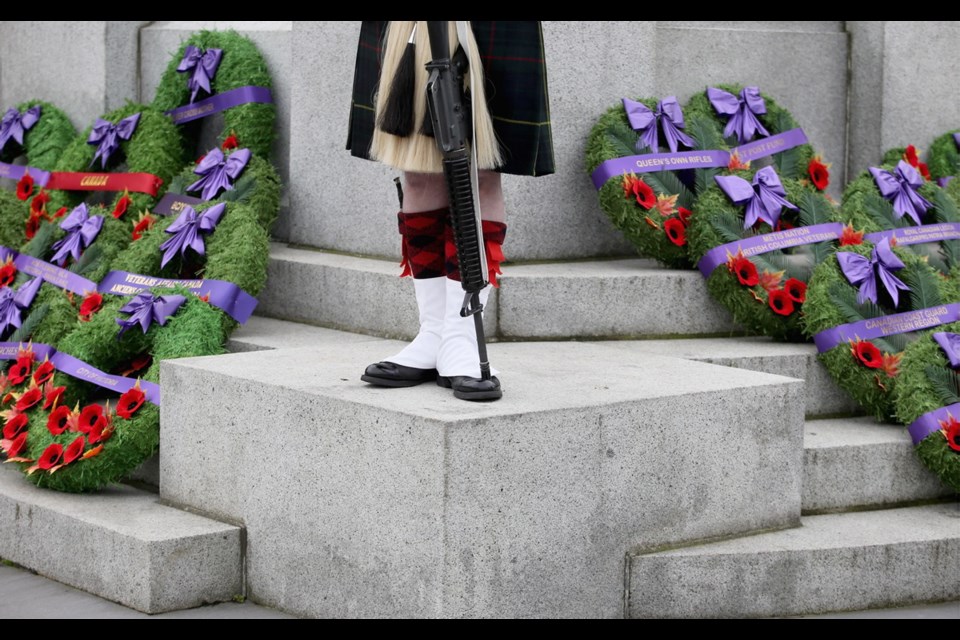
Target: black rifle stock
x=451, y=130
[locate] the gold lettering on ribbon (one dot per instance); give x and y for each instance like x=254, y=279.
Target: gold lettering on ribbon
x=177, y=206
x=9, y=351
x=94, y=376
x=93, y=181
x=192, y=112
x=49, y=272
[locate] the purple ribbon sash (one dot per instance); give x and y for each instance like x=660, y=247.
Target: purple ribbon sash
x=930, y=422
x=82, y=371
x=883, y=326
x=15, y=172
x=173, y=204
x=769, y=242
x=51, y=273
x=918, y=235
x=236, y=302
x=950, y=345
x=769, y=146
x=220, y=102
x=654, y=162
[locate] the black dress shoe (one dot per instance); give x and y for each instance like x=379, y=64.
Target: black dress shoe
x=467, y=388
x=390, y=374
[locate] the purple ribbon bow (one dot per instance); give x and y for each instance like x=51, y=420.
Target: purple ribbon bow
x=204, y=66
x=146, y=308
x=14, y=124
x=743, y=112
x=186, y=231
x=108, y=137
x=82, y=229
x=218, y=172
x=950, y=343
x=864, y=273
x=12, y=304
x=644, y=122
x=764, y=199
x=901, y=190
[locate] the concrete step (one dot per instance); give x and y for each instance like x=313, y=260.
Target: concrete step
x=120, y=544
x=837, y=562
x=597, y=299
x=361, y=501
x=858, y=462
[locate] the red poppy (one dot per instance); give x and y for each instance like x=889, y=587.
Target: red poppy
x=644, y=194
x=796, y=289
x=90, y=305
x=74, y=450
x=819, y=173
x=780, y=302
x=145, y=222
x=15, y=425
x=91, y=417
x=21, y=370
x=59, y=420
x=139, y=362
x=51, y=456
x=39, y=203
x=951, y=430
x=783, y=225
x=28, y=398
x=52, y=394
x=16, y=446
x=7, y=274
x=122, y=204
x=910, y=155
x=33, y=223
x=230, y=142
x=25, y=187
x=62, y=211
x=44, y=372
x=200, y=159
x=850, y=237
x=130, y=402
x=684, y=216
x=924, y=170
x=867, y=354
x=676, y=232
x=746, y=271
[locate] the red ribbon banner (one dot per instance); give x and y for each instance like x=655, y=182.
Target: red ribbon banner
x=82, y=181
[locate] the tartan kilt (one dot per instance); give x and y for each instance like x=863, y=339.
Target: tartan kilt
x=515, y=78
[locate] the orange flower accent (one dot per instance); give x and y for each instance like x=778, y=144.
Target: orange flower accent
x=771, y=281
x=650, y=221
x=890, y=364
x=735, y=164
x=143, y=223
x=92, y=453
x=666, y=205
x=850, y=237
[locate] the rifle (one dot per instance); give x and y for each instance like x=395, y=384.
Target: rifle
x=446, y=106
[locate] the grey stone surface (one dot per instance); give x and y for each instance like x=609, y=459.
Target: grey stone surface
x=801, y=26
x=363, y=501
x=861, y=463
x=61, y=61
x=866, y=94
x=120, y=544
x=919, y=98
x=340, y=202
x=25, y=595
x=345, y=292
x=262, y=334
x=122, y=44
x=837, y=562
x=160, y=40
x=805, y=71
x=603, y=299
x=823, y=396
x=148, y=473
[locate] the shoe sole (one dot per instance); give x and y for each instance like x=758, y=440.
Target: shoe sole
x=477, y=395
x=387, y=382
